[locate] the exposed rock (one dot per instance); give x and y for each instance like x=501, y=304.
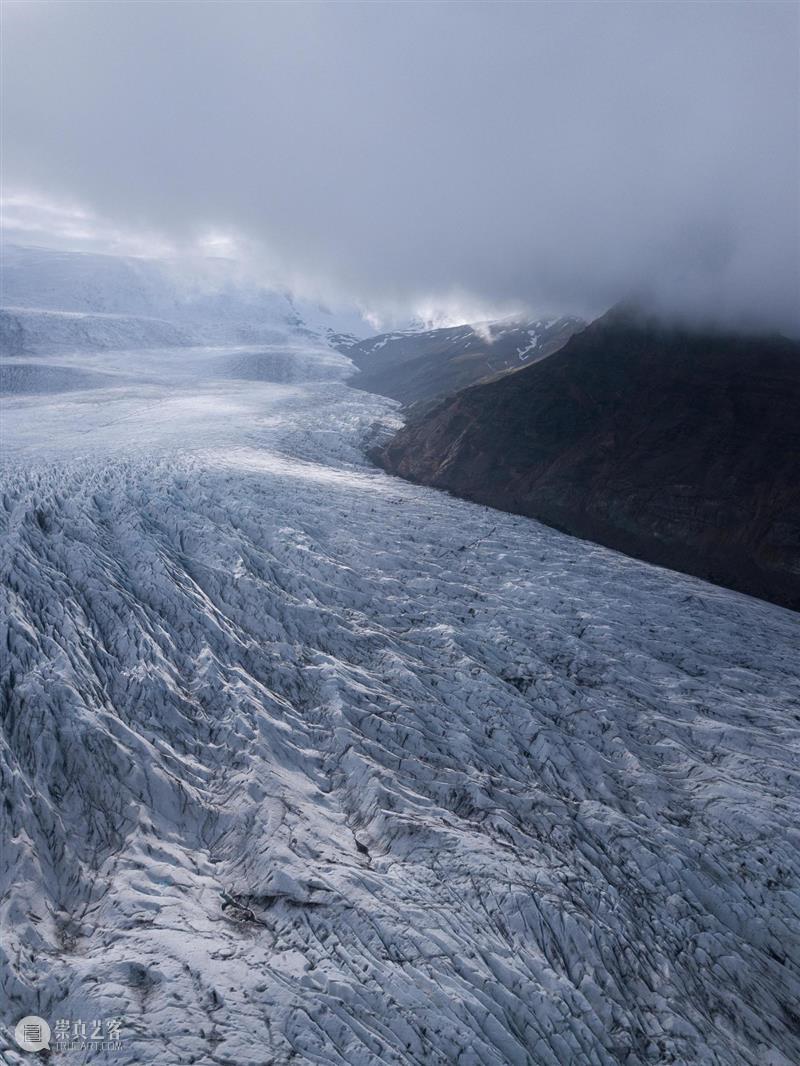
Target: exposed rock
x=419, y=368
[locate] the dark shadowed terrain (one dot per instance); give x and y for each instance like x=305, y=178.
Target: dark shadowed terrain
x=419, y=368
x=676, y=447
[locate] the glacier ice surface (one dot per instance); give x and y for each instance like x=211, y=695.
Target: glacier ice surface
x=302, y=763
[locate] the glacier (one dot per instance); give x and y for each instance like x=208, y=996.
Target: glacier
x=302, y=763
x=66, y=301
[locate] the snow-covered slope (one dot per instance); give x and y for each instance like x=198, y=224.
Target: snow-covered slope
x=87, y=301
x=302, y=763
x=31, y=331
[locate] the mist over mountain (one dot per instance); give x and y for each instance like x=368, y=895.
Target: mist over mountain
x=417, y=367
x=553, y=158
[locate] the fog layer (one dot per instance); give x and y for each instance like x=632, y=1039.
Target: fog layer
x=553, y=156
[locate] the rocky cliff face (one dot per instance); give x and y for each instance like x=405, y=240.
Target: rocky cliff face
x=676, y=447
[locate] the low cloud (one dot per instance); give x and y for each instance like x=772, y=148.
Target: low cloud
x=446, y=158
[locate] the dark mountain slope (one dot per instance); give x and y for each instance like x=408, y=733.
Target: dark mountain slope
x=679, y=448
x=419, y=368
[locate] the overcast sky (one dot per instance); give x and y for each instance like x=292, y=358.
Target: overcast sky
x=478, y=156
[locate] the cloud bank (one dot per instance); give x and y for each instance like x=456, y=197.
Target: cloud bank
x=554, y=156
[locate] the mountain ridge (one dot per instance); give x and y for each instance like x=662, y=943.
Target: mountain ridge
x=419, y=367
